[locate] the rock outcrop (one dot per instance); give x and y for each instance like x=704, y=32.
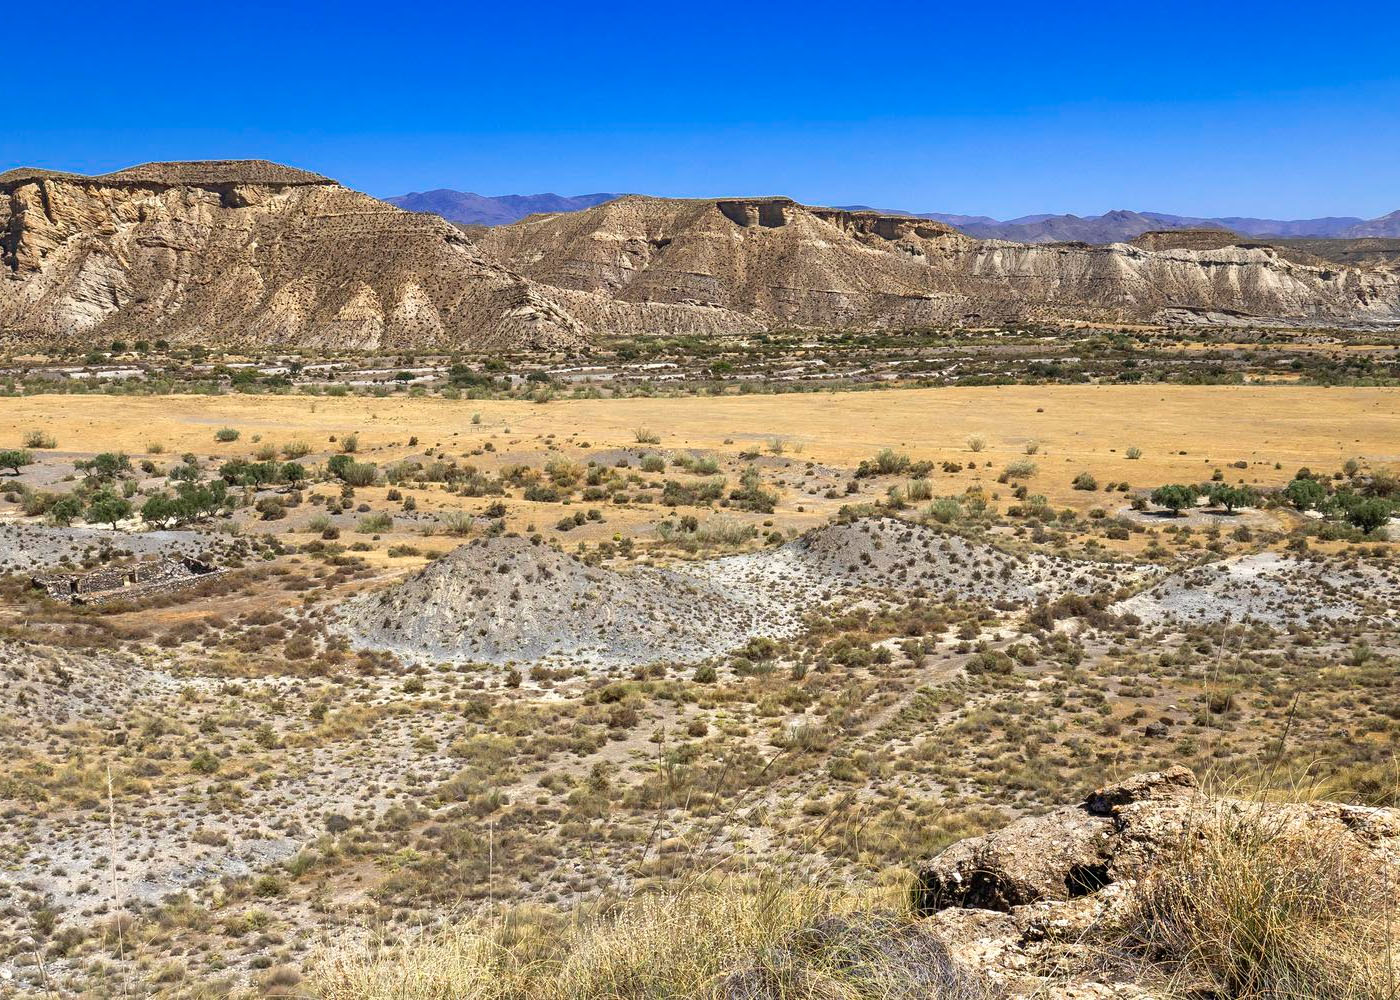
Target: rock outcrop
x=785, y=264
x=1034, y=906
x=253, y=254
x=250, y=254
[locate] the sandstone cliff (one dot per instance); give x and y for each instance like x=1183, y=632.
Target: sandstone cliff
x=787, y=264
x=250, y=253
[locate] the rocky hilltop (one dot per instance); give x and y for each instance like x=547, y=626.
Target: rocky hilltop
x=788, y=264
x=254, y=253
x=250, y=253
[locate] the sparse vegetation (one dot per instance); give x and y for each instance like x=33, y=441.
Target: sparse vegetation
x=844, y=656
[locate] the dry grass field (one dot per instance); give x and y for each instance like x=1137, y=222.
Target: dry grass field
x=1182, y=430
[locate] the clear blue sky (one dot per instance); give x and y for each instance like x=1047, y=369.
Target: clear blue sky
x=1002, y=109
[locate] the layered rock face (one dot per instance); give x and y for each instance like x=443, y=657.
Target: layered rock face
x=770, y=260
x=782, y=263
x=250, y=253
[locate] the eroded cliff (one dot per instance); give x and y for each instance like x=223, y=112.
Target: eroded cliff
x=249, y=253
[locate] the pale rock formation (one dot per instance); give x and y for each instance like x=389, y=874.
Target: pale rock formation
x=1027, y=906
x=255, y=254
x=248, y=253
x=785, y=264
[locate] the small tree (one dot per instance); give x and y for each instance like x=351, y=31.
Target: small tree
x=159, y=510
x=200, y=500
x=234, y=471
x=1370, y=513
x=337, y=465
x=14, y=458
x=104, y=467
x=260, y=473
x=107, y=508
x=65, y=510
x=294, y=473
x=1305, y=494
x=1175, y=497
x=1231, y=497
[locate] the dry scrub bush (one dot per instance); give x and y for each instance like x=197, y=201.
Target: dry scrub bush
x=1254, y=907
x=732, y=939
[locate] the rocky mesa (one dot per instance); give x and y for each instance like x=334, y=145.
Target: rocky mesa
x=786, y=264
x=244, y=253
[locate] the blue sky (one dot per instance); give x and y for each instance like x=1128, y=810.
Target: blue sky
x=1001, y=109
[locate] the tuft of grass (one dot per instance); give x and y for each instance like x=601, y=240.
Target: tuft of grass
x=1254, y=907
x=729, y=937
x=645, y=435
x=918, y=491
x=226, y=434
x=360, y=473
x=372, y=524
x=456, y=522
x=39, y=439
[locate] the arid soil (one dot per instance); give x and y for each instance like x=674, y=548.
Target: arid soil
x=526, y=660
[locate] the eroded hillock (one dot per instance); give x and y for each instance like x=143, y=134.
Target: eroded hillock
x=504, y=599
x=250, y=253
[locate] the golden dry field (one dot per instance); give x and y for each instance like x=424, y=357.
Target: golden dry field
x=1183, y=431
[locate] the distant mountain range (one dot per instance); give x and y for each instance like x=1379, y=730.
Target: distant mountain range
x=1112, y=227
x=1121, y=226
x=502, y=210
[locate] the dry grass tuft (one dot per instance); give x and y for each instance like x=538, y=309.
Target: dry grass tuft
x=1256, y=906
x=733, y=939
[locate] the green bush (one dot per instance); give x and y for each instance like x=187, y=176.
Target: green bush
x=1175, y=497
x=372, y=524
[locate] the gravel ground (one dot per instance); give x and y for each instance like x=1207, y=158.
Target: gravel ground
x=176, y=836
x=27, y=547
x=1270, y=588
